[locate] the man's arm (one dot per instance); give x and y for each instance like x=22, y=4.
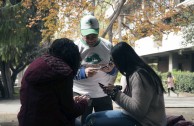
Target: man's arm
x=81, y=74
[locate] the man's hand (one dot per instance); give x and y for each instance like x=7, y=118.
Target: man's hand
x=107, y=68
x=90, y=71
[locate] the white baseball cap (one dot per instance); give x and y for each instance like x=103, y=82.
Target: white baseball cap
x=89, y=25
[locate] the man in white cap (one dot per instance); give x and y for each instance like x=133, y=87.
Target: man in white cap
x=96, y=67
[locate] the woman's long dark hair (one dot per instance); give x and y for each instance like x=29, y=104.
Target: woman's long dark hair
x=66, y=50
x=127, y=62
x=169, y=74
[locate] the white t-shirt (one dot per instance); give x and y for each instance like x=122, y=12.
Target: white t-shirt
x=98, y=55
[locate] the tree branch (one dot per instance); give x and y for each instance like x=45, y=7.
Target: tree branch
x=114, y=17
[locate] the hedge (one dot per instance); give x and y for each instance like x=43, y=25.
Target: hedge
x=184, y=80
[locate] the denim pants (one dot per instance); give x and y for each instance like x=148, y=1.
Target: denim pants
x=98, y=104
x=110, y=118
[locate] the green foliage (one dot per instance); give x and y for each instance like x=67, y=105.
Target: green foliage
x=184, y=81
x=118, y=79
x=12, y=24
x=188, y=29
x=188, y=34
x=15, y=35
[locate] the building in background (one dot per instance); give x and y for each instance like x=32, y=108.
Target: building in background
x=171, y=54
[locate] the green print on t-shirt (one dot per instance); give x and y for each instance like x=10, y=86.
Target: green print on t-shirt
x=93, y=59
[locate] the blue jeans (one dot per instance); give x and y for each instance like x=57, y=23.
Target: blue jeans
x=98, y=104
x=110, y=118
x=77, y=122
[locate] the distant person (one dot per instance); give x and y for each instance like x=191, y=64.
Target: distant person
x=171, y=84
x=46, y=92
x=96, y=66
x=141, y=100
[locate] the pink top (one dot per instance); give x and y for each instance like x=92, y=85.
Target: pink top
x=170, y=82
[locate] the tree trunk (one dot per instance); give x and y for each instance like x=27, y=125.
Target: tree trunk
x=93, y=4
x=119, y=27
x=110, y=34
x=116, y=14
x=6, y=79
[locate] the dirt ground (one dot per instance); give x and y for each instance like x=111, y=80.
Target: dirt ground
x=188, y=113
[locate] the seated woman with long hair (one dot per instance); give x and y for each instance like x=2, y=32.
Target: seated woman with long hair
x=141, y=100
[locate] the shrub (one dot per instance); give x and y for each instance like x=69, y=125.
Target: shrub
x=184, y=81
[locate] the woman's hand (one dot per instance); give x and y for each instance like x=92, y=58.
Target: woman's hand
x=107, y=89
x=111, y=90
x=77, y=99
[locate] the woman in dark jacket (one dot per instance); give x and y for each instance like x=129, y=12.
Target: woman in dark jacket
x=46, y=92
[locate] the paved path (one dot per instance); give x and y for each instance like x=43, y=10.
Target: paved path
x=180, y=102
x=174, y=105
x=12, y=106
